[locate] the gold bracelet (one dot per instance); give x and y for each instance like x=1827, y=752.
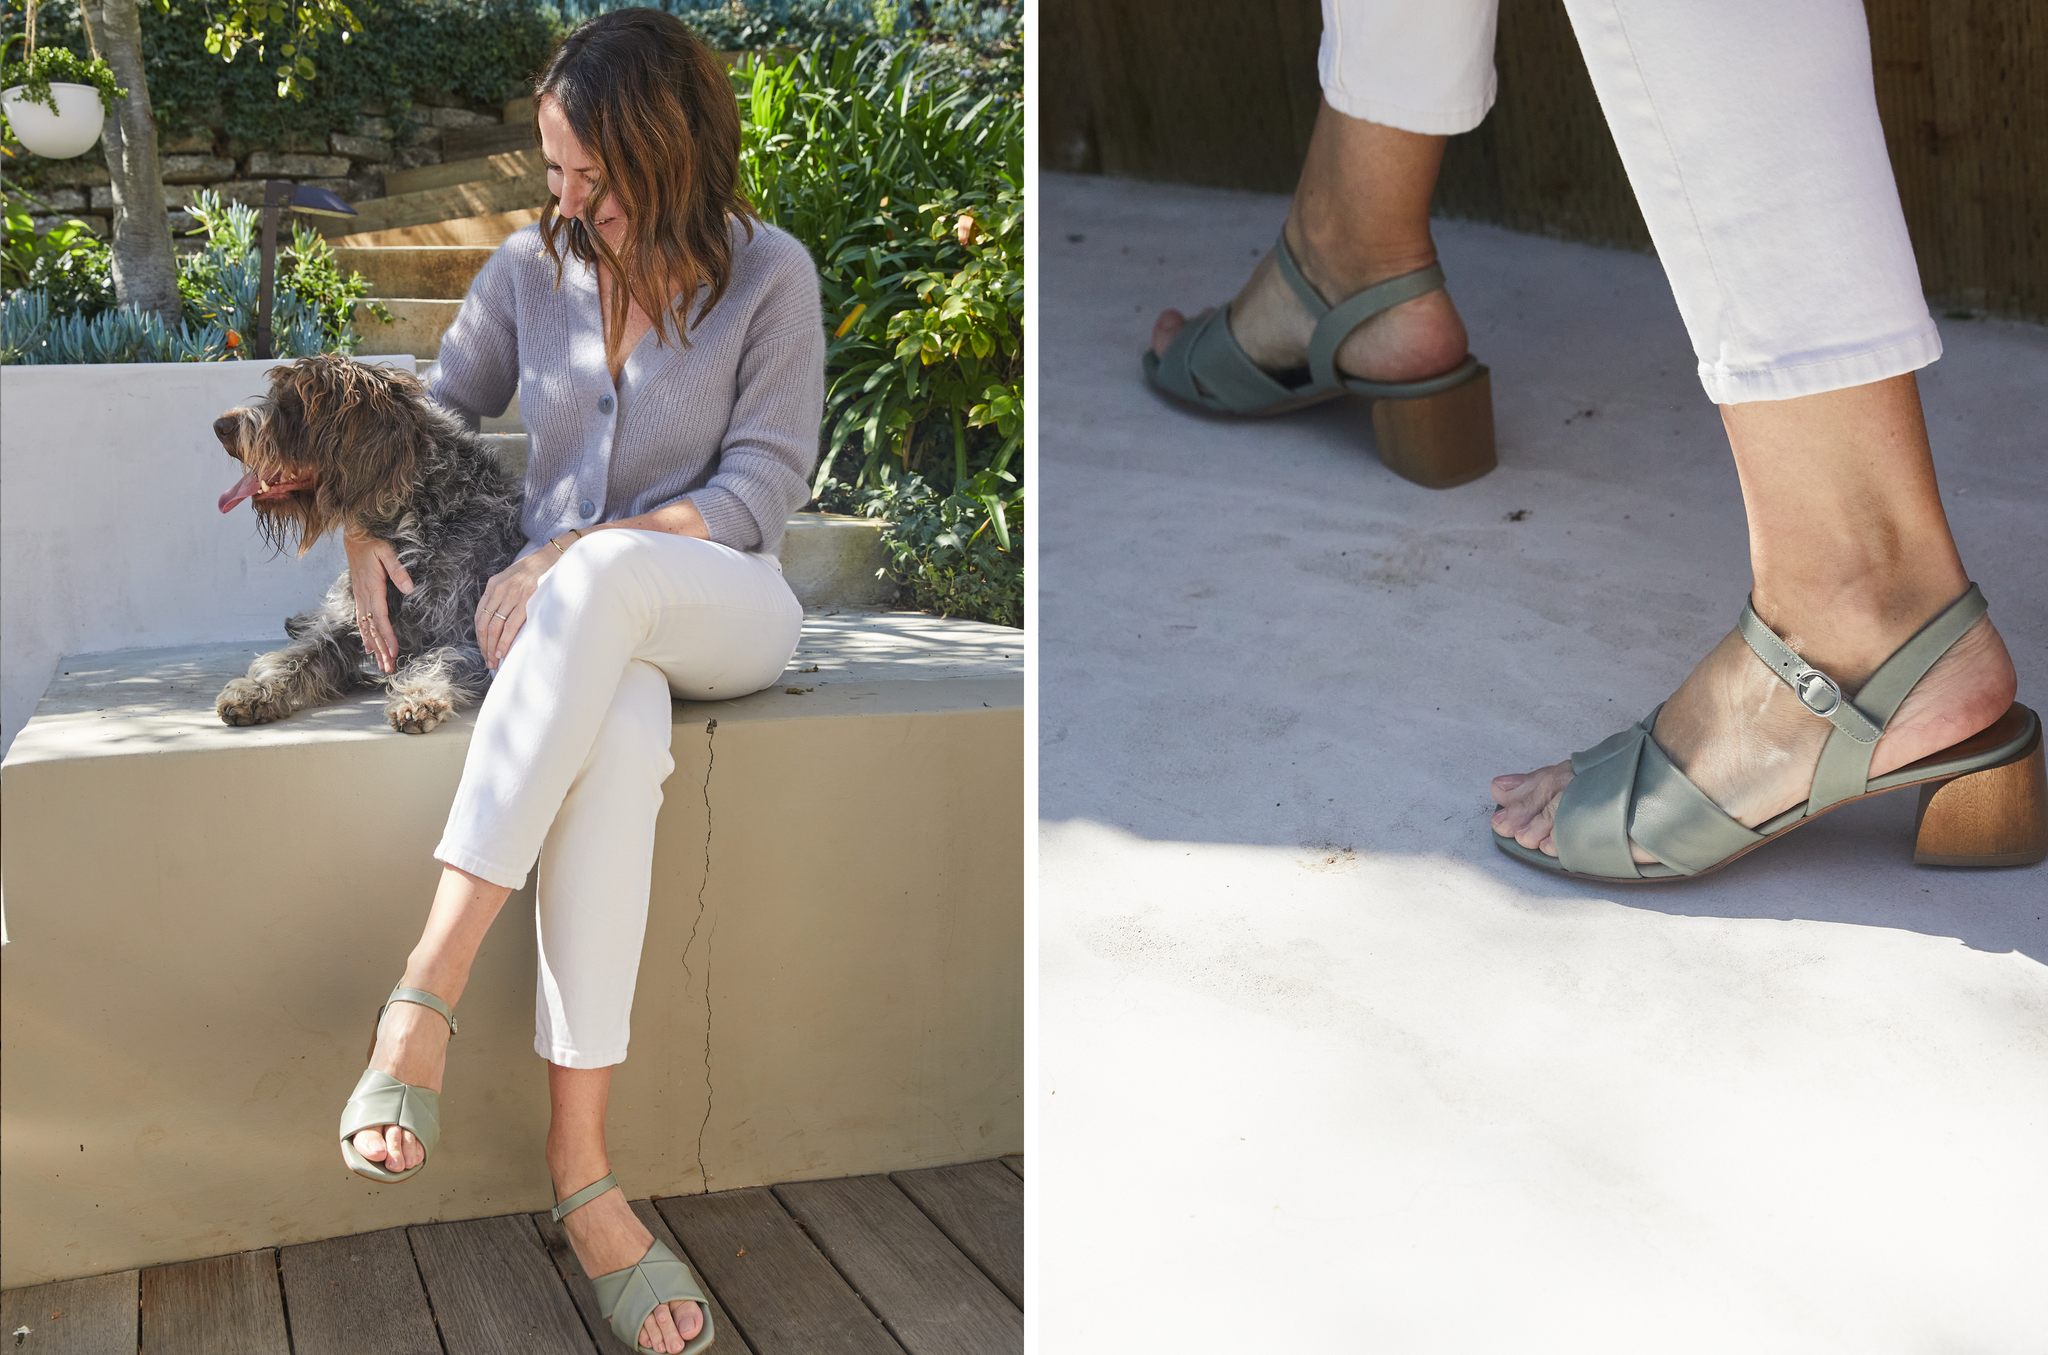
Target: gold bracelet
x=558, y=545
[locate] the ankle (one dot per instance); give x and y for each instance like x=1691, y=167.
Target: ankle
x=574, y=1166
x=1340, y=259
x=431, y=974
x=1847, y=622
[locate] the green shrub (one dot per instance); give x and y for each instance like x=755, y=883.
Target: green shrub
x=68, y=263
x=906, y=186
x=955, y=557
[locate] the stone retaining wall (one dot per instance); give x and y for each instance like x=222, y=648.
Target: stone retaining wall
x=352, y=165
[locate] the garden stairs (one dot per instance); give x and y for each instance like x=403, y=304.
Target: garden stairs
x=422, y=244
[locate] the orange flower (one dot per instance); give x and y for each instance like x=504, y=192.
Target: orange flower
x=234, y=339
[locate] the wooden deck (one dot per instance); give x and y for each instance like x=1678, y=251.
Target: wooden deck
x=924, y=1262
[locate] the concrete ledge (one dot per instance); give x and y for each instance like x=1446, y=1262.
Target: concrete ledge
x=835, y=560
x=204, y=919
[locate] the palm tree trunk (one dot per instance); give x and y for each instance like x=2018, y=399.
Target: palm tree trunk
x=145, y=269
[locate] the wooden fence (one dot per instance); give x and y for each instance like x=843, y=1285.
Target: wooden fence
x=1224, y=93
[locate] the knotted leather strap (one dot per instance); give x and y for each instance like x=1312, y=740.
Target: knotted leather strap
x=1844, y=767
x=1627, y=790
x=563, y=1208
x=1230, y=380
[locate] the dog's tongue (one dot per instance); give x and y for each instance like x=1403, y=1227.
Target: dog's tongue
x=244, y=487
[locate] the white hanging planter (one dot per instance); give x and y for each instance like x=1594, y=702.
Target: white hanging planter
x=69, y=131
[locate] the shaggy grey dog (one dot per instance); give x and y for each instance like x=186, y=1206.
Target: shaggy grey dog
x=339, y=444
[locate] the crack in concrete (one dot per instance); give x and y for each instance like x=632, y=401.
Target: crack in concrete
x=711, y=760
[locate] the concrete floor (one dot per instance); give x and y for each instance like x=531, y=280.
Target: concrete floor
x=1322, y=1071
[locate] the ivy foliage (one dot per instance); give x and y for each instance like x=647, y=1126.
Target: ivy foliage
x=408, y=53
x=477, y=51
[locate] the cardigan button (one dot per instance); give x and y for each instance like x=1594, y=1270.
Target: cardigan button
x=587, y=508
x=604, y=404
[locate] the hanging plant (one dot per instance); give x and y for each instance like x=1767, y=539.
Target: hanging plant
x=30, y=80
x=79, y=95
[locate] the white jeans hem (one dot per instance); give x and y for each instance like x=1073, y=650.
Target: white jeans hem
x=503, y=876
x=564, y=1057
x=1427, y=122
x=1789, y=381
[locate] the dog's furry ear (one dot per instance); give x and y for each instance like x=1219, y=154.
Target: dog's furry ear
x=361, y=427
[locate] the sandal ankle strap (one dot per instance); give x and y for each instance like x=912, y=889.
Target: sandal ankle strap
x=1335, y=323
x=424, y=999
x=564, y=1208
x=1818, y=692
x=1843, y=770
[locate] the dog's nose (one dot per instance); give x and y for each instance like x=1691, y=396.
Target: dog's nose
x=224, y=428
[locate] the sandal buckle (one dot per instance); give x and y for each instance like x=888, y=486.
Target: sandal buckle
x=1809, y=684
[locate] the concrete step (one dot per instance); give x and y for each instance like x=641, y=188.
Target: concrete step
x=833, y=560
x=490, y=230
x=462, y=143
x=435, y=272
x=417, y=327
x=431, y=205
x=482, y=169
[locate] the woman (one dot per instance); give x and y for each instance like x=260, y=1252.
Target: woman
x=668, y=352
x=1750, y=134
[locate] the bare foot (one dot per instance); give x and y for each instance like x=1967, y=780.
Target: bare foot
x=412, y=1046
x=1419, y=338
x=1743, y=738
x=608, y=1237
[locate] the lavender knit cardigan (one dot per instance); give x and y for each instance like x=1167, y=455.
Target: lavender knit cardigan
x=730, y=422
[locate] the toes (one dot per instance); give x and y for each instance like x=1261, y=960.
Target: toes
x=406, y=1150
x=1506, y=784
x=1536, y=832
x=370, y=1144
x=659, y=1331
x=689, y=1319
x=1164, y=328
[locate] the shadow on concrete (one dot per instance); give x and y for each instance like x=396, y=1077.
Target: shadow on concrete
x=1253, y=633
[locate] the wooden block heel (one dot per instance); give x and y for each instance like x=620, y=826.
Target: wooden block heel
x=1996, y=817
x=1439, y=440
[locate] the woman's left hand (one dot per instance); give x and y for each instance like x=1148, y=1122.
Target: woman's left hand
x=502, y=613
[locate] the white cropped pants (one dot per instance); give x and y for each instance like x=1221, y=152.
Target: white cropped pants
x=1749, y=130
x=572, y=744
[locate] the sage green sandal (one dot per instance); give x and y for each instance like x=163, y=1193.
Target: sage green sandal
x=1437, y=432
x=380, y=1099
x=626, y=1297
x=1983, y=802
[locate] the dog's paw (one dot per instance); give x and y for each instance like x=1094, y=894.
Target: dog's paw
x=248, y=702
x=418, y=712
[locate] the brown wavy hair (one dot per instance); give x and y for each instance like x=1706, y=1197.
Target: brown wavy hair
x=655, y=111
